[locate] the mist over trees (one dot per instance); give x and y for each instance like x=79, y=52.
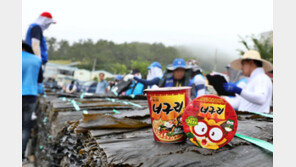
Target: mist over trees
x=122, y=58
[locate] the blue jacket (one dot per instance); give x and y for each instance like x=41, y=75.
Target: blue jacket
x=135, y=90
x=151, y=82
x=43, y=46
x=31, y=65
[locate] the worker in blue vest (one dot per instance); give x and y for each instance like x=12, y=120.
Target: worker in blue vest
x=153, y=77
x=35, y=38
x=175, y=75
x=179, y=74
x=31, y=76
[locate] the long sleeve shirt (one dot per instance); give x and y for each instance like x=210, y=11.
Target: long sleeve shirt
x=154, y=81
x=256, y=97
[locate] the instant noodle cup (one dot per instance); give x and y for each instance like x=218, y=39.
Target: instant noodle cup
x=209, y=122
x=166, y=107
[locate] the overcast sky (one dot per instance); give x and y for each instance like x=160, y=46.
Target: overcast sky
x=214, y=23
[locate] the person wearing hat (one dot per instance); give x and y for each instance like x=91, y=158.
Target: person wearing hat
x=256, y=96
x=31, y=76
x=153, y=77
x=178, y=74
x=115, y=82
x=136, y=88
x=175, y=76
x=35, y=38
x=198, y=81
x=117, y=79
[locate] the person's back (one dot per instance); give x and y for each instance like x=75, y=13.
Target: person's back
x=35, y=38
x=35, y=32
x=30, y=70
x=136, y=88
x=31, y=75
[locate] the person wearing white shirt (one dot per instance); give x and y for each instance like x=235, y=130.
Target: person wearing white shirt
x=257, y=94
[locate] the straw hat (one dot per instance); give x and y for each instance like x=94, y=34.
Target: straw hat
x=253, y=55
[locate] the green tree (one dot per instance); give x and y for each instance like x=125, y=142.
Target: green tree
x=263, y=45
x=52, y=45
x=96, y=79
x=116, y=58
x=142, y=66
x=118, y=68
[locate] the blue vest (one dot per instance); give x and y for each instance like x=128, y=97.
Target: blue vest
x=31, y=65
x=138, y=90
x=169, y=82
x=43, y=46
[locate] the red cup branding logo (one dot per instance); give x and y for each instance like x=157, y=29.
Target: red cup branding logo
x=209, y=123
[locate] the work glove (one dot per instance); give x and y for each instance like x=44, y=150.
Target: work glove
x=128, y=77
x=232, y=88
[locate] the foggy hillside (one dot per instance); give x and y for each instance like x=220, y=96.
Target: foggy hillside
x=206, y=56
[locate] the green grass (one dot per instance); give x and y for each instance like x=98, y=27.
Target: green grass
x=61, y=62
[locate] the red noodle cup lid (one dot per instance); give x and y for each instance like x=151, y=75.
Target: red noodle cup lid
x=209, y=122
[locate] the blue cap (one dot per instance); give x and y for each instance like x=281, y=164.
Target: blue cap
x=118, y=77
x=178, y=63
x=154, y=64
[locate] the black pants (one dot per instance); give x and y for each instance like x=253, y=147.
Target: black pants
x=28, y=107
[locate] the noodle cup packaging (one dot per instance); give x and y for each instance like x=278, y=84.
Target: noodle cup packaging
x=166, y=107
x=209, y=122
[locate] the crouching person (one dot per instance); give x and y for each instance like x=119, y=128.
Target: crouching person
x=257, y=94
